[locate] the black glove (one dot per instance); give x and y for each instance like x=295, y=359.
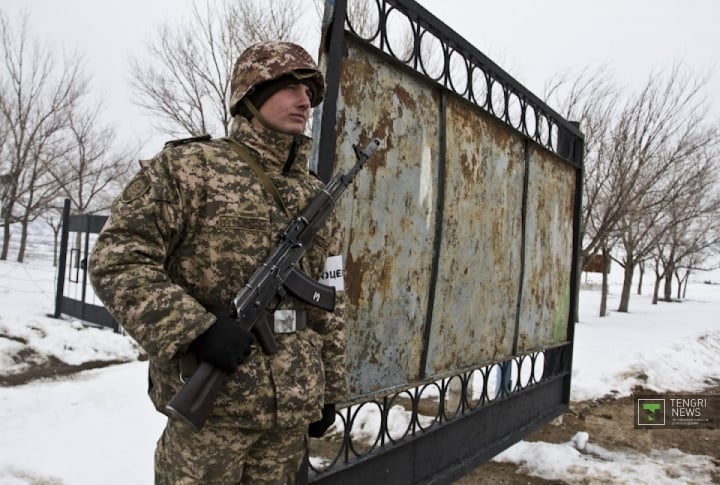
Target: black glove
x=225, y=345
x=318, y=428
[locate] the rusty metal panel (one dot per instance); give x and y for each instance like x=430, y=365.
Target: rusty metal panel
x=545, y=308
x=479, y=271
x=390, y=218
x=427, y=297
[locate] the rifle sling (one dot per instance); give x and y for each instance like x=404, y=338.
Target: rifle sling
x=248, y=158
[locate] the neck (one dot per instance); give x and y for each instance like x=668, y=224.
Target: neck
x=274, y=145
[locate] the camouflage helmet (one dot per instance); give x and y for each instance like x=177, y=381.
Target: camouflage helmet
x=269, y=61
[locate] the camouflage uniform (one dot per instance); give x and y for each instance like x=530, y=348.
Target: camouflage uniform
x=186, y=234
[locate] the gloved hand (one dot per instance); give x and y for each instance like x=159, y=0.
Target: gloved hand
x=318, y=428
x=225, y=344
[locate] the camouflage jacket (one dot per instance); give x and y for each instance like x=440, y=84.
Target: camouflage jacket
x=187, y=232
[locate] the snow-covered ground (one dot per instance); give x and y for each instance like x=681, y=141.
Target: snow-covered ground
x=98, y=426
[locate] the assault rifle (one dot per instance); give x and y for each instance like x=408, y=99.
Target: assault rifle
x=266, y=288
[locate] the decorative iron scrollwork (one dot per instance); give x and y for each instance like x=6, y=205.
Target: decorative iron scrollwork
x=369, y=426
x=402, y=30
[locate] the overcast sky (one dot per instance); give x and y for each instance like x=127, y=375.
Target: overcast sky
x=533, y=40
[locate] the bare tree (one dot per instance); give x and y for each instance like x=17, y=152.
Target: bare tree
x=53, y=217
x=5, y=172
x=659, y=132
x=89, y=173
x=692, y=226
x=92, y=165
x=636, y=156
x=36, y=95
x=186, y=82
x=268, y=20
x=702, y=259
x=363, y=16
x=682, y=250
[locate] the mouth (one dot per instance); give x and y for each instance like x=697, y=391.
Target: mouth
x=298, y=117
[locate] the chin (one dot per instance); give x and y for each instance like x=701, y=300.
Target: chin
x=295, y=129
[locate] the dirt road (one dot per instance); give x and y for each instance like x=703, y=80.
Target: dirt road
x=609, y=423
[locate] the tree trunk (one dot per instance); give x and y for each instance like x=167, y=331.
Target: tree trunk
x=627, y=284
x=576, y=310
x=56, y=236
x=604, y=295
x=7, y=218
x=667, y=291
x=23, y=240
x=684, y=284
x=641, y=267
x=604, y=289
x=6, y=241
x=656, y=289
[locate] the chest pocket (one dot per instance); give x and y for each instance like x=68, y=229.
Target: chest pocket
x=243, y=222
x=237, y=202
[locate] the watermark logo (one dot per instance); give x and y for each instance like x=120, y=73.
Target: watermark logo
x=674, y=411
x=650, y=412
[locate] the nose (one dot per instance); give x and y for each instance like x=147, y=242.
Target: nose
x=306, y=98
x=304, y=95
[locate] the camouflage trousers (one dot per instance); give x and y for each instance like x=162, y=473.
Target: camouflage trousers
x=221, y=455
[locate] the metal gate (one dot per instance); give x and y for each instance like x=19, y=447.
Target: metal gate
x=73, y=295
x=463, y=237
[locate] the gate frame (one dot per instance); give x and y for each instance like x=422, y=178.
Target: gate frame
x=439, y=453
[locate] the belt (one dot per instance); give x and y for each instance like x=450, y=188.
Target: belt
x=287, y=321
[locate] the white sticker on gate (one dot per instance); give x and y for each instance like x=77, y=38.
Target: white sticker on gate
x=332, y=274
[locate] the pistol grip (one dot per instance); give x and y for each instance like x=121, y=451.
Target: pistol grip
x=264, y=335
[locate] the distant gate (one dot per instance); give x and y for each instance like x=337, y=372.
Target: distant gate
x=73, y=295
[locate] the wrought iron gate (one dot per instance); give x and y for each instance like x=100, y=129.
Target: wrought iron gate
x=462, y=249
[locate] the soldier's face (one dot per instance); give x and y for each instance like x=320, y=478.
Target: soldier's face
x=288, y=109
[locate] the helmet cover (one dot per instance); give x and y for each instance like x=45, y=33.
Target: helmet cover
x=269, y=61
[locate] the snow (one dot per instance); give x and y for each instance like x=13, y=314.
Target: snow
x=578, y=460
x=98, y=426
x=676, y=345
x=27, y=293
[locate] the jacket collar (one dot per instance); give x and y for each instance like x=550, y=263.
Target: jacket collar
x=272, y=146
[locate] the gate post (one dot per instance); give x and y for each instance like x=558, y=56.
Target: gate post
x=62, y=260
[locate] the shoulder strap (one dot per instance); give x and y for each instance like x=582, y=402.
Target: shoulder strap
x=248, y=158
x=182, y=141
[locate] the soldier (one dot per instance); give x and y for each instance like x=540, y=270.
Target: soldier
x=183, y=237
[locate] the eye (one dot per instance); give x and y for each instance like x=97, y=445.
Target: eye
x=309, y=92
x=301, y=88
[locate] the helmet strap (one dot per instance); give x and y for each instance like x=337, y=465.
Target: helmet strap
x=291, y=156
x=256, y=113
